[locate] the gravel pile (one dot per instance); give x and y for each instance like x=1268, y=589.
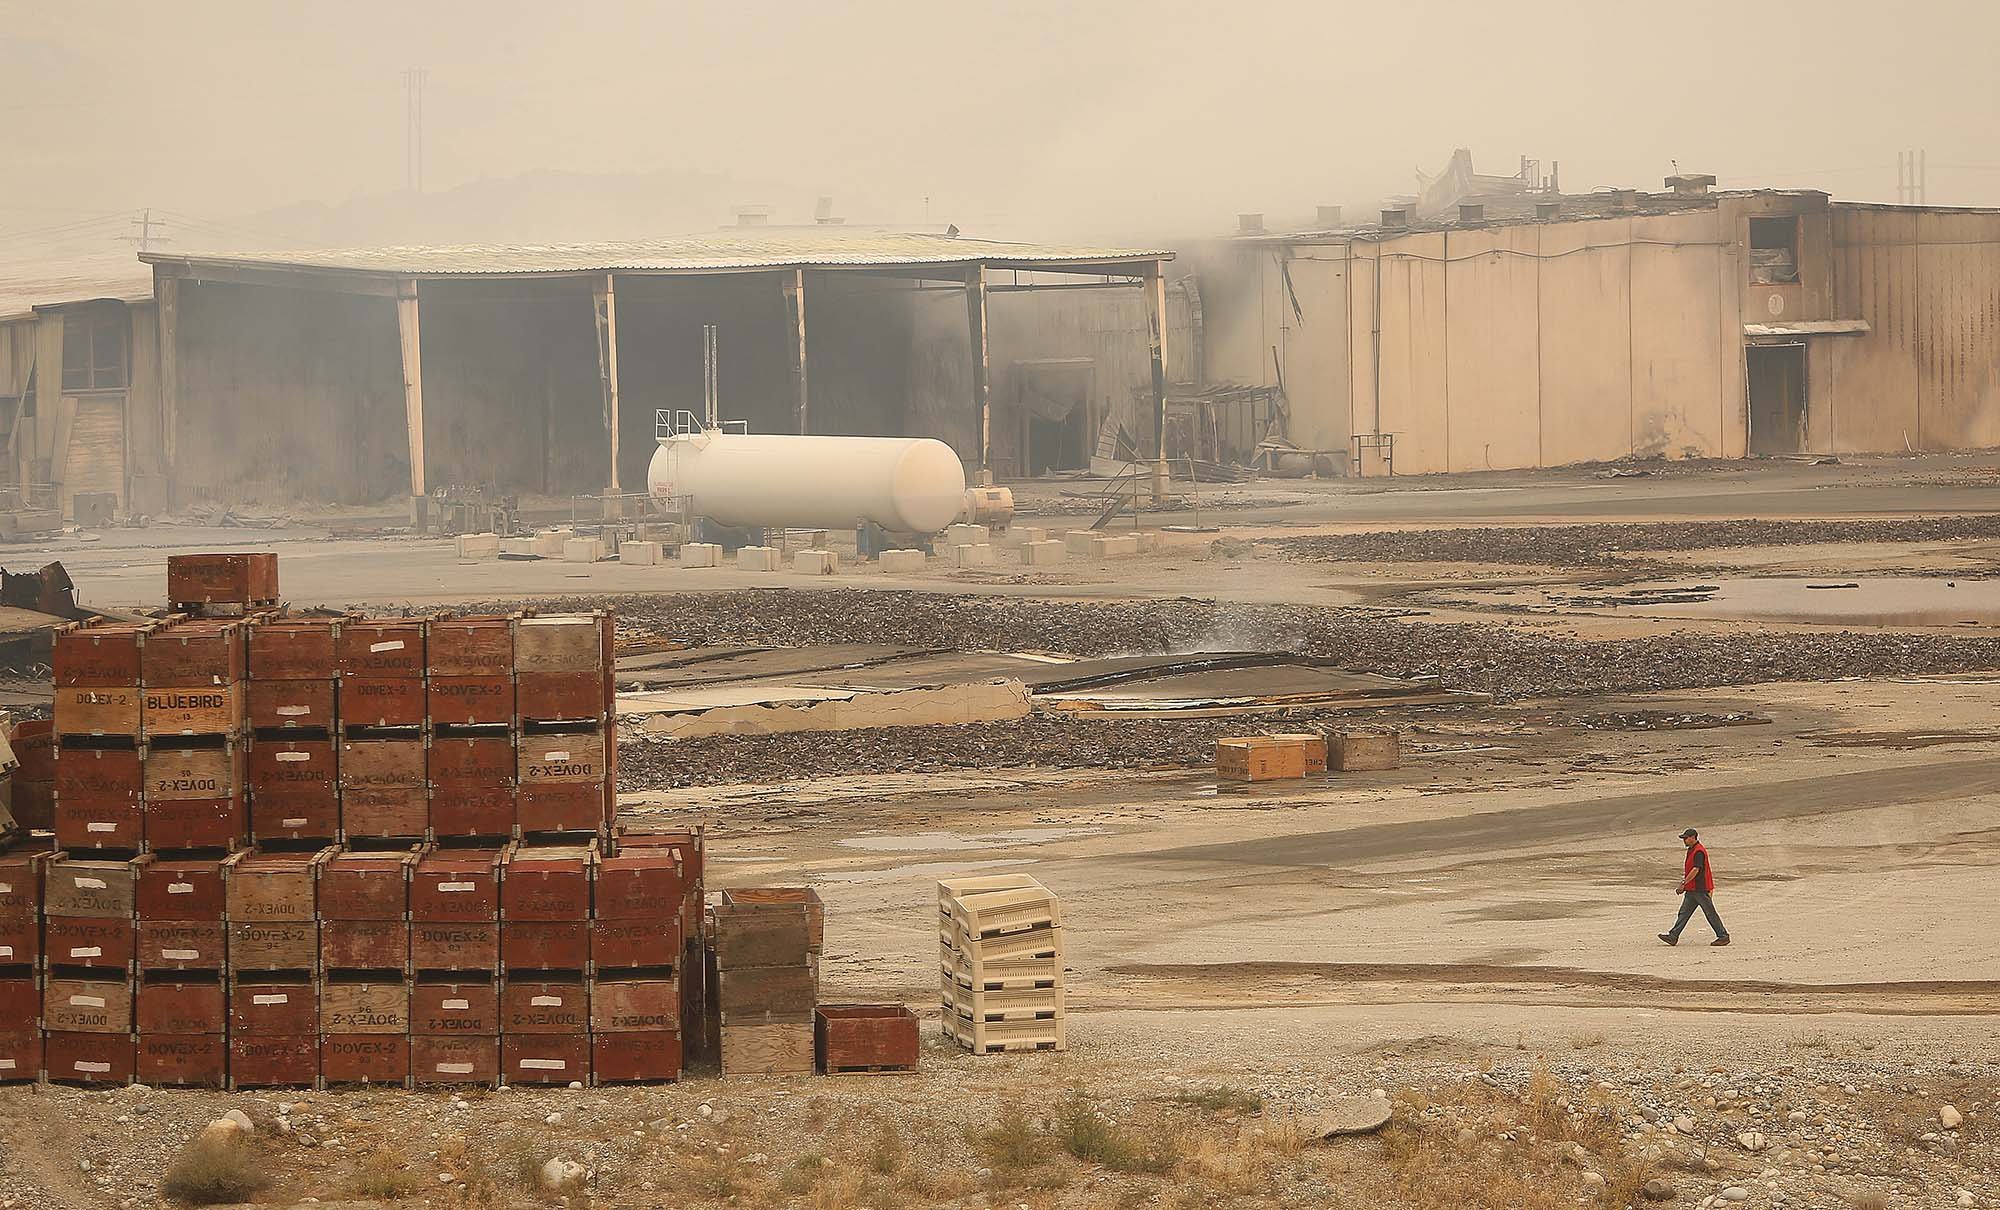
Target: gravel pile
x=1592, y=545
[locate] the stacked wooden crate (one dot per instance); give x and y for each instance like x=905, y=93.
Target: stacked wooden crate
x=545, y=962
x=271, y=908
x=89, y=945
x=640, y=911
x=364, y=921
x=182, y=948
x=765, y=984
x=292, y=713
x=563, y=697
x=471, y=709
x=21, y=962
x=383, y=771
x=1001, y=964
x=455, y=958
x=33, y=797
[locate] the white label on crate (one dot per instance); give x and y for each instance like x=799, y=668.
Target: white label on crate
x=6, y=951
x=290, y=757
x=291, y=823
x=6, y=1064
x=87, y=951
x=545, y=1064
x=94, y=1068
x=545, y=1002
x=180, y=888
x=458, y=886
x=458, y=1004
x=94, y=884
x=100, y=826
x=293, y=712
x=556, y=756
x=391, y=645
x=180, y=955
x=6, y=888
x=455, y=1069
x=280, y=998
x=86, y=1001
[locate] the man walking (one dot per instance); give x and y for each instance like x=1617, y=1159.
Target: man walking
x=1697, y=891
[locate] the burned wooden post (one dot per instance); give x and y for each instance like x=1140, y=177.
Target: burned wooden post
x=982, y=389
x=604, y=298
x=1156, y=323
x=413, y=393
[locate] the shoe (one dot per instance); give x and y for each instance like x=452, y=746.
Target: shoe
x=1720, y=941
x=1670, y=939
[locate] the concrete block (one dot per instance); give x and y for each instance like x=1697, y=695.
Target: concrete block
x=972, y=554
x=757, y=558
x=816, y=562
x=1021, y=535
x=549, y=542
x=1041, y=554
x=901, y=562
x=1148, y=540
x=701, y=554
x=478, y=547
x=517, y=546
x=967, y=535
x=582, y=550
x=1081, y=541
x=1113, y=546
x=640, y=554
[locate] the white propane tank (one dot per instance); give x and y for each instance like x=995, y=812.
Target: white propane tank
x=912, y=485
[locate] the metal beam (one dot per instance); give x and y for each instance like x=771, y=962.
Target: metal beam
x=982, y=387
x=167, y=293
x=604, y=299
x=413, y=392
x=1156, y=324
x=372, y=285
x=795, y=303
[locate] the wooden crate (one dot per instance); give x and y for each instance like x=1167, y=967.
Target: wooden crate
x=545, y=1058
x=370, y=1007
x=635, y=1058
x=294, y=789
x=548, y=882
x=458, y=1059
x=195, y=652
x=94, y=1005
x=34, y=744
x=20, y=998
x=208, y=772
x=169, y=711
x=179, y=888
x=471, y=645
x=864, y=1037
x=273, y=945
x=294, y=649
x=637, y=942
x=472, y=785
x=455, y=1008
x=544, y=945
x=109, y=778
x=273, y=1060
x=804, y=896
x=1360, y=751
x=765, y=991
x=273, y=1006
x=768, y=1048
x=456, y=885
x=1315, y=746
x=996, y=1037
x=563, y=758
x=80, y=826
x=564, y=807
x=381, y=647
x=382, y=701
x=99, y=652
x=182, y=945
x=455, y=945
x=97, y=710
x=364, y=945
x=993, y=913
x=90, y=887
x=20, y=940
x=468, y=701
x=684, y=843
x=635, y=1004
x=20, y=1055
x=366, y=886
x=752, y=935
x=167, y=1005
x=640, y=884
x=366, y=1058
x=563, y=643
x=92, y=941
x=34, y=804
x=562, y=696
x=367, y=764
x=193, y=1060
x=247, y=578
x=71, y=1057
x=378, y=813
x=544, y=1005
x=267, y=886
x=1260, y=758
x=195, y=823
x=290, y=705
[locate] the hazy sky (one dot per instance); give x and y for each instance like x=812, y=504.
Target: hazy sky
x=1148, y=118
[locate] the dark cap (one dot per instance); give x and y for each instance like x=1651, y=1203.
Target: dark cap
x=1690, y=834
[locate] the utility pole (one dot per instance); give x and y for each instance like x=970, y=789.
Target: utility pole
x=413, y=127
x=145, y=223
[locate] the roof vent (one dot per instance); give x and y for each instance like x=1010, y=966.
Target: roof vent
x=1689, y=184
x=1624, y=199
x=1396, y=218
x=823, y=213
x=1470, y=213
x=1329, y=217
x=1249, y=224
x=752, y=216
x=1548, y=209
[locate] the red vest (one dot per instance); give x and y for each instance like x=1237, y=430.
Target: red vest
x=1707, y=870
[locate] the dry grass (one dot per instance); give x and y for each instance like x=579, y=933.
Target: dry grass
x=211, y=1172
x=384, y=1176
x=1869, y=1201
x=1088, y=1135
x=1221, y=1099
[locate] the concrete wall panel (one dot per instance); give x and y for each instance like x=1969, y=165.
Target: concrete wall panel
x=1867, y=399
x=1586, y=341
x=1958, y=308
x=1316, y=353
x=1413, y=373
x=1491, y=339
x=1679, y=391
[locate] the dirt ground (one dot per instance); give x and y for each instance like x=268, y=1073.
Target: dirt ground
x=1469, y=937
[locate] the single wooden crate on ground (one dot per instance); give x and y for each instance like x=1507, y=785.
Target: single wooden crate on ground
x=1362, y=751
x=865, y=1037
x=1260, y=758
x=1315, y=745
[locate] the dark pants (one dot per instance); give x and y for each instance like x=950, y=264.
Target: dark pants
x=1690, y=900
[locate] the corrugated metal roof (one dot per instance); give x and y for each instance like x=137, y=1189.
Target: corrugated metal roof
x=815, y=248
x=25, y=285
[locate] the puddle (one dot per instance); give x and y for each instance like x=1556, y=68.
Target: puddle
x=1863, y=601
x=925, y=842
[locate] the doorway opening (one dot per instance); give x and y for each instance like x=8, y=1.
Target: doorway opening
x=1777, y=382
